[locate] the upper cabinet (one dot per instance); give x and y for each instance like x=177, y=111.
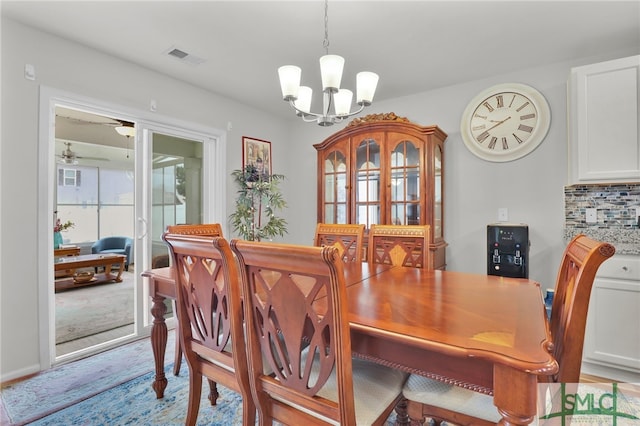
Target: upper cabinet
x=603, y=104
x=383, y=169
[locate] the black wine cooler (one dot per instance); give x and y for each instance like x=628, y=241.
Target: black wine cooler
x=508, y=250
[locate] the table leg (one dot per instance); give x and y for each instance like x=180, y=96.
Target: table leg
x=159, y=343
x=516, y=408
x=120, y=271
x=402, y=417
x=108, y=275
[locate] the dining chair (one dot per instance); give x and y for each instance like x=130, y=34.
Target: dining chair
x=348, y=238
x=401, y=245
x=210, y=319
x=428, y=398
x=296, y=320
x=205, y=229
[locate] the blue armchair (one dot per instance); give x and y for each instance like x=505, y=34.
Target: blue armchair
x=117, y=245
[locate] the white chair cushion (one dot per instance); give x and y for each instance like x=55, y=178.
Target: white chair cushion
x=450, y=397
x=227, y=348
x=374, y=388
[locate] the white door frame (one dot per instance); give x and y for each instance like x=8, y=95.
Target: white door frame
x=214, y=184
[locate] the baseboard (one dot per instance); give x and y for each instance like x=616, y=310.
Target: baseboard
x=608, y=374
x=17, y=375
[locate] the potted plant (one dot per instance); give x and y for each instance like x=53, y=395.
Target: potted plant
x=58, y=227
x=259, y=198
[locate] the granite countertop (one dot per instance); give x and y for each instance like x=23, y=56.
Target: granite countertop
x=626, y=240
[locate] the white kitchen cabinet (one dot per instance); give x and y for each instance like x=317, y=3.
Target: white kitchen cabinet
x=603, y=108
x=612, y=337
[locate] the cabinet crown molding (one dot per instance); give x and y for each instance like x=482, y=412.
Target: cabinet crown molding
x=372, y=118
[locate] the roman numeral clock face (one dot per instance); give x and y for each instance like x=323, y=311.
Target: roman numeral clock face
x=505, y=122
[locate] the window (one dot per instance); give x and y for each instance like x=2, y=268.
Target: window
x=69, y=177
x=100, y=204
x=169, y=198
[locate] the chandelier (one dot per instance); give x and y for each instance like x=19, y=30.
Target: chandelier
x=299, y=97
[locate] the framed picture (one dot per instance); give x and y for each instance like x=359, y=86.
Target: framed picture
x=256, y=152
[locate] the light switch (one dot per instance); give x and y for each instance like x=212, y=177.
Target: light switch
x=503, y=214
x=592, y=215
x=29, y=72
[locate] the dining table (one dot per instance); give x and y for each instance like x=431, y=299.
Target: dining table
x=486, y=333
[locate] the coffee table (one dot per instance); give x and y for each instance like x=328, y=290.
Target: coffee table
x=107, y=261
x=66, y=251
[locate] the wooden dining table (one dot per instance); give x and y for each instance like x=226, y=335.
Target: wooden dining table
x=482, y=332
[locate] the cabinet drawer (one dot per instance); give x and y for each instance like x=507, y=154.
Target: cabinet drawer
x=623, y=267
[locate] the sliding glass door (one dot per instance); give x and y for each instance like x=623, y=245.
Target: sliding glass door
x=171, y=193
x=111, y=184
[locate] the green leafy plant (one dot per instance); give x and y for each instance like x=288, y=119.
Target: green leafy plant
x=259, y=198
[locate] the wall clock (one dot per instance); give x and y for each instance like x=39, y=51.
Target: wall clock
x=505, y=122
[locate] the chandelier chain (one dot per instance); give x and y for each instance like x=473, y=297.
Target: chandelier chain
x=326, y=27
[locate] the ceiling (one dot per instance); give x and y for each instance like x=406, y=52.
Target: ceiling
x=414, y=46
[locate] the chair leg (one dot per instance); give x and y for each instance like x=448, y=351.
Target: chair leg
x=213, y=392
x=195, y=389
x=248, y=412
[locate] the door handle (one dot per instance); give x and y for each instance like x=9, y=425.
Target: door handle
x=144, y=227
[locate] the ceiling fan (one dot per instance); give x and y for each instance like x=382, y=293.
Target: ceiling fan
x=70, y=157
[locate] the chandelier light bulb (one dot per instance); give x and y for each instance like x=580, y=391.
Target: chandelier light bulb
x=303, y=103
x=331, y=67
x=366, y=83
x=342, y=101
x=289, y=81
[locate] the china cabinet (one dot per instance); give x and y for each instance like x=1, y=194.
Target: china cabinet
x=384, y=169
x=604, y=142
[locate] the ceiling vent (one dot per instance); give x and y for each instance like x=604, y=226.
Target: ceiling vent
x=183, y=56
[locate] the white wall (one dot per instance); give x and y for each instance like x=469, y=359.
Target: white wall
x=70, y=67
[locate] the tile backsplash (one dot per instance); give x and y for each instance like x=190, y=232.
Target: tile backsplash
x=617, y=219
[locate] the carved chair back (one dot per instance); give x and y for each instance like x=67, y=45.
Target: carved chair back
x=348, y=238
x=205, y=229
x=580, y=262
x=402, y=245
x=210, y=318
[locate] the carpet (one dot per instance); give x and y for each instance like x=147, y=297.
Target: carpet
x=135, y=403
x=94, y=309
x=87, y=311
x=68, y=384
x=114, y=388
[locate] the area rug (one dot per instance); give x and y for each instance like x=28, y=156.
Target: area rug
x=94, y=309
x=135, y=403
x=63, y=386
x=94, y=391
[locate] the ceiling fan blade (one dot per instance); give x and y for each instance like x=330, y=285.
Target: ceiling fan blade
x=92, y=158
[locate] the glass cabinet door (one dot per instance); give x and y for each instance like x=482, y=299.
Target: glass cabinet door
x=335, y=188
x=405, y=184
x=437, y=196
x=367, y=185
